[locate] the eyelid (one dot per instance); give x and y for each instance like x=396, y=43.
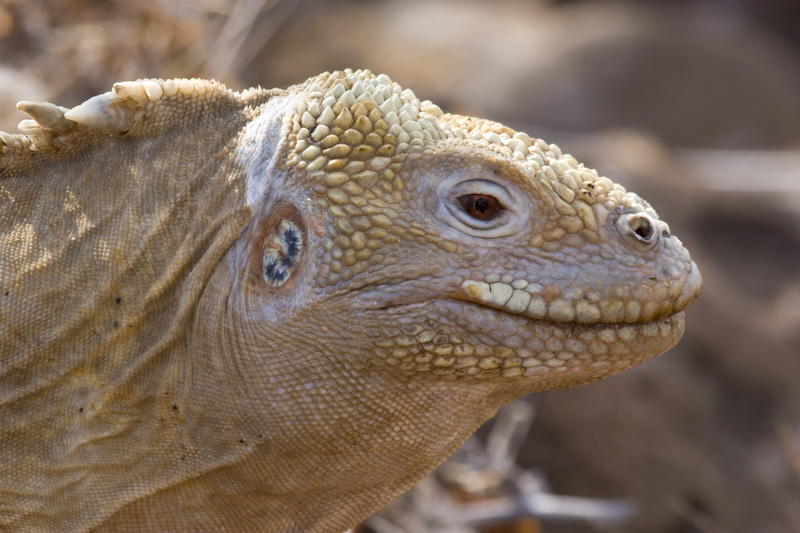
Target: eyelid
x=489, y=188
x=510, y=219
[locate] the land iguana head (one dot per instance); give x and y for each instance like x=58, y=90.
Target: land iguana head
x=279, y=309
x=455, y=248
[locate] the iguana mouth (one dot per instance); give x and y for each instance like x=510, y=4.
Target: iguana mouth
x=550, y=303
x=485, y=328
x=541, y=303
x=461, y=337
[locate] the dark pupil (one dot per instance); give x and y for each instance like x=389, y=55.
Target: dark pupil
x=482, y=205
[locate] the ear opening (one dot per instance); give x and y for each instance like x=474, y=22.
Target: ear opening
x=279, y=244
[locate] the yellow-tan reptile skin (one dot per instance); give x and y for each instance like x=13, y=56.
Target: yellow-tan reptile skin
x=275, y=310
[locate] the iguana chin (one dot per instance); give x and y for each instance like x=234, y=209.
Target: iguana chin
x=275, y=310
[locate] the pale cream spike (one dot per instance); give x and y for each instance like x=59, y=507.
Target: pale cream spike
x=131, y=90
x=140, y=91
x=108, y=112
x=49, y=116
x=7, y=139
x=40, y=137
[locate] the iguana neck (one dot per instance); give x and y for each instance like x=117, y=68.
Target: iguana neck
x=121, y=254
x=290, y=429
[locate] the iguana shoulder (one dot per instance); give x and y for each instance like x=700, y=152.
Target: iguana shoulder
x=277, y=309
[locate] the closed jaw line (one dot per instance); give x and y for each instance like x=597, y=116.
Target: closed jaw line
x=551, y=303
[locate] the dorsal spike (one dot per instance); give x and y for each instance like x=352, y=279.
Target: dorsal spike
x=48, y=116
x=109, y=112
x=40, y=138
x=12, y=144
x=145, y=107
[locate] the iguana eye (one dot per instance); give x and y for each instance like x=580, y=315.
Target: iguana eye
x=486, y=206
x=480, y=206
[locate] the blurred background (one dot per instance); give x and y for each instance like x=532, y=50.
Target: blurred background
x=694, y=104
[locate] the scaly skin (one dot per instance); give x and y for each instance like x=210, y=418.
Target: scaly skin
x=277, y=310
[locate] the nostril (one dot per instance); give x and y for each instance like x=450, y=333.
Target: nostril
x=638, y=226
x=642, y=227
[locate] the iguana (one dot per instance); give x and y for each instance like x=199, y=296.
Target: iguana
x=275, y=310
